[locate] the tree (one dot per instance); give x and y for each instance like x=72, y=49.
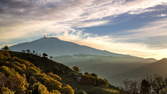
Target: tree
x=33, y=51
x=93, y=74
x=5, y=48
x=86, y=73
x=51, y=57
x=145, y=87
x=75, y=68
x=28, y=51
x=44, y=55
x=158, y=84
x=131, y=87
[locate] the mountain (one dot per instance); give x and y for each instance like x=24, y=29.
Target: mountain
x=158, y=68
x=104, y=63
x=57, y=47
x=68, y=51
x=26, y=73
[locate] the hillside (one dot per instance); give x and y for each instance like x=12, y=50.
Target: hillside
x=109, y=67
x=158, y=68
x=25, y=73
x=87, y=58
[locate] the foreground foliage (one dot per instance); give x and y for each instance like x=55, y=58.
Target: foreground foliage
x=26, y=73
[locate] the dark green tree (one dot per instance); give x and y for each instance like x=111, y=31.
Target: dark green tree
x=145, y=87
x=28, y=51
x=75, y=68
x=51, y=57
x=5, y=48
x=45, y=55
x=33, y=51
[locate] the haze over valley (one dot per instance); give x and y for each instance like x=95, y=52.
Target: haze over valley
x=116, y=67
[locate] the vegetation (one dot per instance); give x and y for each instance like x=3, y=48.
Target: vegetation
x=27, y=73
x=5, y=48
x=75, y=68
x=93, y=79
x=44, y=55
x=151, y=85
x=18, y=76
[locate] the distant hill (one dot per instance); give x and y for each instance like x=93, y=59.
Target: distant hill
x=26, y=73
x=158, y=68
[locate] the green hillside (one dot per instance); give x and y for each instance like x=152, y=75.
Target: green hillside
x=26, y=73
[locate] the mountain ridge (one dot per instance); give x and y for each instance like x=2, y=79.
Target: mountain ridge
x=61, y=45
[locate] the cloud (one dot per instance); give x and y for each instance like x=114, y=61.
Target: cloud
x=153, y=35
x=92, y=24
x=109, y=43
x=69, y=10
x=141, y=11
x=20, y=19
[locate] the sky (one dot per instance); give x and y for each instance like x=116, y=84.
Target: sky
x=133, y=27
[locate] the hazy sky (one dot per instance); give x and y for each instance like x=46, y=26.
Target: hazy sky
x=134, y=27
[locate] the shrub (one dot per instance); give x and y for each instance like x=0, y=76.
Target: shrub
x=102, y=82
x=12, y=79
x=5, y=55
x=7, y=70
x=55, y=76
x=5, y=48
x=5, y=90
x=55, y=92
x=39, y=88
x=67, y=89
x=75, y=68
x=48, y=81
x=33, y=70
x=44, y=55
x=87, y=80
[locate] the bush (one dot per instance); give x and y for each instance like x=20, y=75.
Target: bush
x=12, y=79
x=55, y=92
x=75, y=68
x=48, y=81
x=93, y=79
x=87, y=80
x=33, y=70
x=4, y=55
x=5, y=90
x=102, y=82
x=67, y=89
x=55, y=76
x=7, y=70
x=5, y=48
x=39, y=88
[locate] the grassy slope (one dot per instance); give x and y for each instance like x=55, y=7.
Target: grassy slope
x=35, y=72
